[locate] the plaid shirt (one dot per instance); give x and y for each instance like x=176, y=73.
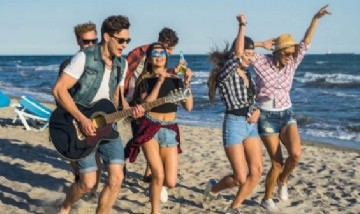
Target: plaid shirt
x=134, y=58
x=231, y=86
x=273, y=84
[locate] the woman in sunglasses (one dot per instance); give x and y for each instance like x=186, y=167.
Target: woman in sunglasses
x=274, y=77
x=158, y=134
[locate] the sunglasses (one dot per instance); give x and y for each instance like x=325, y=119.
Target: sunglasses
x=161, y=53
x=88, y=41
x=287, y=54
x=121, y=40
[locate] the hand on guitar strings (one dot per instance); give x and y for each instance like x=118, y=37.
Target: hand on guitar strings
x=87, y=127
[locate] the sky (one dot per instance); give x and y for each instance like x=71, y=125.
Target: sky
x=45, y=27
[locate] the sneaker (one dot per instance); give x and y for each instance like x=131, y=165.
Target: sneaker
x=208, y=195
x=233, y=211
x=282, y=191
x=269, y=205
x=164, y=195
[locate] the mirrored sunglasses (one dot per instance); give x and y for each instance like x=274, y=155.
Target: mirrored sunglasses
x=161, y=53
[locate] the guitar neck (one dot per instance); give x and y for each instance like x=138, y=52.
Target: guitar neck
x=119, y=115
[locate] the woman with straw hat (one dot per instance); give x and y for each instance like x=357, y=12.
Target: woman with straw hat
x=274, y=77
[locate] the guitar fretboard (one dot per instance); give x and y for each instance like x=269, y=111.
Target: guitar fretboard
x=119, y=115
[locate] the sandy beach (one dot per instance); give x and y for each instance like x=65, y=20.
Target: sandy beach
x=33, y=177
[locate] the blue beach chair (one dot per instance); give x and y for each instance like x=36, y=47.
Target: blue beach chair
x=28, y=109
x=4, y=100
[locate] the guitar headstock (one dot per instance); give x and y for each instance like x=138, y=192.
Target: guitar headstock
x=177, y=95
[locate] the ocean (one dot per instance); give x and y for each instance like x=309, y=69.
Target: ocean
x=325, y=93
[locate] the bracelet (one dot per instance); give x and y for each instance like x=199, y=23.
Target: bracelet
x=242, y=24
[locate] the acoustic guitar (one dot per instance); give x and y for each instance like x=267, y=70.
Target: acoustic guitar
x=72, y=144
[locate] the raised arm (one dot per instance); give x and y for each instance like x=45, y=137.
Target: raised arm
x=268, y=44
x=239, y=42
x=237, y=48
x=314, y=22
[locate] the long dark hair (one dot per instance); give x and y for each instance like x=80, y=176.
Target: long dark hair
x=217, y=59
x=148, y=68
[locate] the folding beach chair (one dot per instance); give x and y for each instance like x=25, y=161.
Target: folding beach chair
x=30, y=110
x=4, y=100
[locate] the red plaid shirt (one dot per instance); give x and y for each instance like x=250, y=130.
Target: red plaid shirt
x=134, y=57
x=273, y=84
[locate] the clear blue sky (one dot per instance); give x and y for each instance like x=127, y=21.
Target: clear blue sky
x=39, y=27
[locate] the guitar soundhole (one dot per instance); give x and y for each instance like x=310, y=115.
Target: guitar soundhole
x=99, y=121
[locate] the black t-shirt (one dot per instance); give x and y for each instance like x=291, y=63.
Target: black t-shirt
x=170, y=84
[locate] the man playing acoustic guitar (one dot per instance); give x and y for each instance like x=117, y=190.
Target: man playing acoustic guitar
x=94, y=74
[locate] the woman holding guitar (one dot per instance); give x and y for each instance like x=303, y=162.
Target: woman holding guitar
x=158, y=134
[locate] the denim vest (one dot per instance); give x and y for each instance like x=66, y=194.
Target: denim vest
x=89, y=82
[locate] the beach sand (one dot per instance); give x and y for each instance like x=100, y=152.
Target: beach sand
x=33, y=177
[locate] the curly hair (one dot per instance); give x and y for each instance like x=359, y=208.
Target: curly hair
x=168, y=36
x=114, y=24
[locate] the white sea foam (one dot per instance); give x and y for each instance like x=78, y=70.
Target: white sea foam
x=339, y=94
x=201, y=74
x=47, y=68
x=321, y=62
x=337, y=78
x=53, y=67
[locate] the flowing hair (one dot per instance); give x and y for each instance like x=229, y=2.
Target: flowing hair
x=217, y=59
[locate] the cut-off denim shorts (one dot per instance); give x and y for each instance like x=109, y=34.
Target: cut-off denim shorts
x=236, y=129
x=165, y=137
x=271, y=122
x=111, y=152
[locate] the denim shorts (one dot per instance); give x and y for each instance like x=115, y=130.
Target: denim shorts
x=165, y=137
x=271, y=122
x=236, y=129
x=111, y=152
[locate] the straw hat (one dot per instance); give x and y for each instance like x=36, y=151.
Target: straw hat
x=284, y=41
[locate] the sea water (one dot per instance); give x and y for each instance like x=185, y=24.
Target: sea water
x=325, y=92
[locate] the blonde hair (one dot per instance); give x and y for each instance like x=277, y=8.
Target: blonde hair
x=84, y=28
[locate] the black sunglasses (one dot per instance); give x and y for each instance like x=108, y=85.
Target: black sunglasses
x=88, y=41
x=121, y=40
